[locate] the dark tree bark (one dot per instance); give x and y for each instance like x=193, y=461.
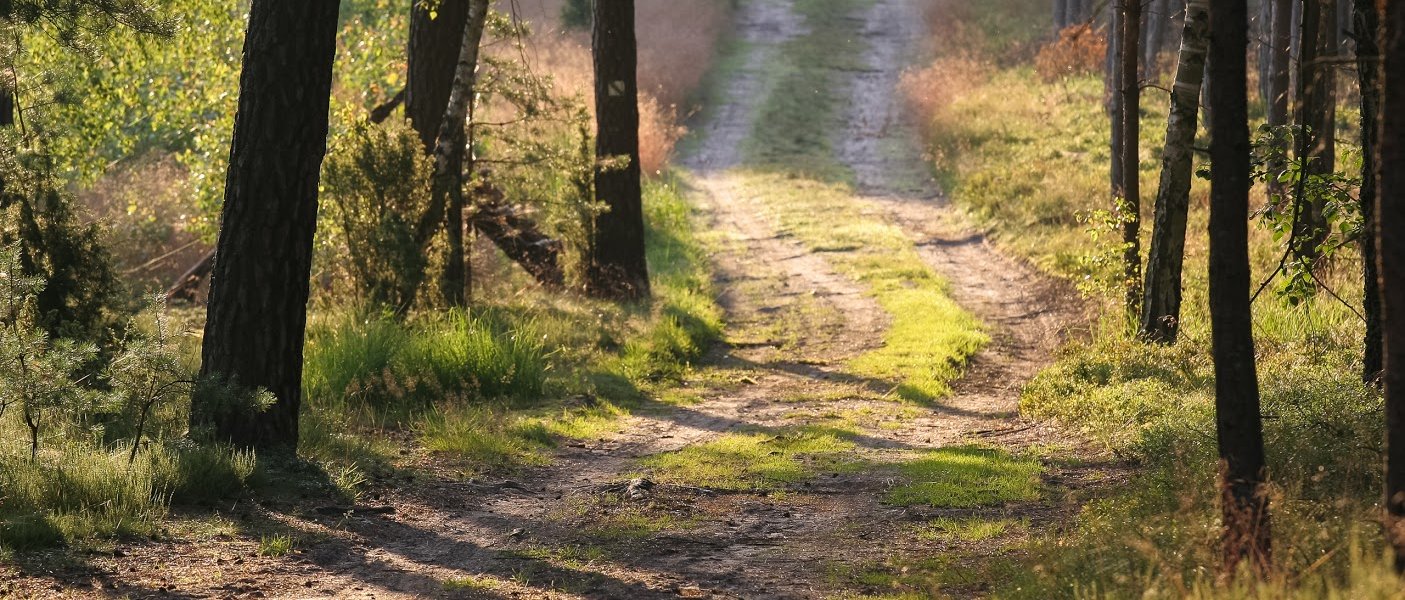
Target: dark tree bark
x=259, y=286
x=1280, y=79
x=1128, y=199
x=617, y=267
x=1155, y=19
x=1316, y=120
x=7, y=108
x=1390, y=212
x=1161, y=302
x=1239, y=426
x=1367, y=32
x=1060, y=15
x=432, y=56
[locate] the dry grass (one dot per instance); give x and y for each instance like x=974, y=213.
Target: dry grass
x=676, y=43
x=1080, y=50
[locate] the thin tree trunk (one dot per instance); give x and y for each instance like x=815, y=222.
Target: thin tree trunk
x=1060, y=15
x=1161, y=308
x=1316, y=119
x=1278, y=85
x=617, y=266
x=1263, y=47
x=1155, y=19
x=1239, y=426
x=260, y=284
x=1390, y=211
x=1129, y=200
x=1367, y=33
x=432, y=62
x=446, y=199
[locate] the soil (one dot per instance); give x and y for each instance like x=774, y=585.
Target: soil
x=793, y=322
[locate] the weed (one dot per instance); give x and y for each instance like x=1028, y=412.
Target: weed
x=274, y=546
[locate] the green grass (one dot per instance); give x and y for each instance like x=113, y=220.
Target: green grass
x=763, y=460
x=947, y=529
x=275, y=546
x=1024, y=157
x=967, y=477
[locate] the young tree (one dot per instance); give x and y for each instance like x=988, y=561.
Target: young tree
x=1316, y=120
x=1128, y=199
x=259, y=286
x=616, y=266
x=1239, y=426
x=1279, y=80
x=1390, y=214
x=1161, y=308
x=446, y=204
x=1367, y=32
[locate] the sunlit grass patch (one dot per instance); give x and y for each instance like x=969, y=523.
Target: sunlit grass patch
x=972, y=530
x=930, y=337
x=761, y=460
x=471, y=583
x=967, y=477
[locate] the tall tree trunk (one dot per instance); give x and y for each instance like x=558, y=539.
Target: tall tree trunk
x=1278, y=85
x=1129, y=200
x=1317, y=119
x=446, y=203
x=1367, y=32
x=1060, y=15
x=1239, y=426
x=260, y=283
x=432, y=56
x=1113, y=93
x=1161, y=308
x=1390, y=212
x=1263, y=49
x=617, y=267
x=1156, y=20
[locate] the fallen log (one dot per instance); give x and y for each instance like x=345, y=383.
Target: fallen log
x=517, y=235
x=187, y=286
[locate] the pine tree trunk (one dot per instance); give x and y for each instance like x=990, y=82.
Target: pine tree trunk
x=1367, y=33
x=1239, y=426
x=1161, y=308
x=1129, y=200
x=1390, y=212
x=1263, y=49
x=617, y=267
x=432, y=58
x=1280, y=79
x=1060, y=15
x=1155, y=36
x=1317, y=118
x=260, y=284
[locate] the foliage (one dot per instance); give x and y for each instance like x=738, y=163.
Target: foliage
x=375, y=187
x=1079, y=50
x=1333, y=194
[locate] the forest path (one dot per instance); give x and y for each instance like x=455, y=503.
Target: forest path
x=824, y=526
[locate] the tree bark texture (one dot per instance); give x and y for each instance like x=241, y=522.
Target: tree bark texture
x=617, y=267
x=433, y=59
x=1161, y=302
x=259, y=285
x=1390, y=211
x=1316, y=121
x=1280, y=80
x=1367, y=32
x=1239, y=426
x=1129, y=200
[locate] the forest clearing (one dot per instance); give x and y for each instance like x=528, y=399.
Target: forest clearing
x=841, y=299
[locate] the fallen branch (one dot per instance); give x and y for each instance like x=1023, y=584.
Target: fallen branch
x=517, y=235
x=187, y=285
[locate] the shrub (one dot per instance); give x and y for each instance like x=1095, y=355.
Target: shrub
x=376, y=185
x=1079, y=50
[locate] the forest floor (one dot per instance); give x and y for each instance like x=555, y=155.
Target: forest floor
x=793, y=475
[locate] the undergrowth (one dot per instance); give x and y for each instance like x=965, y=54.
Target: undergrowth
x=1028, y=159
